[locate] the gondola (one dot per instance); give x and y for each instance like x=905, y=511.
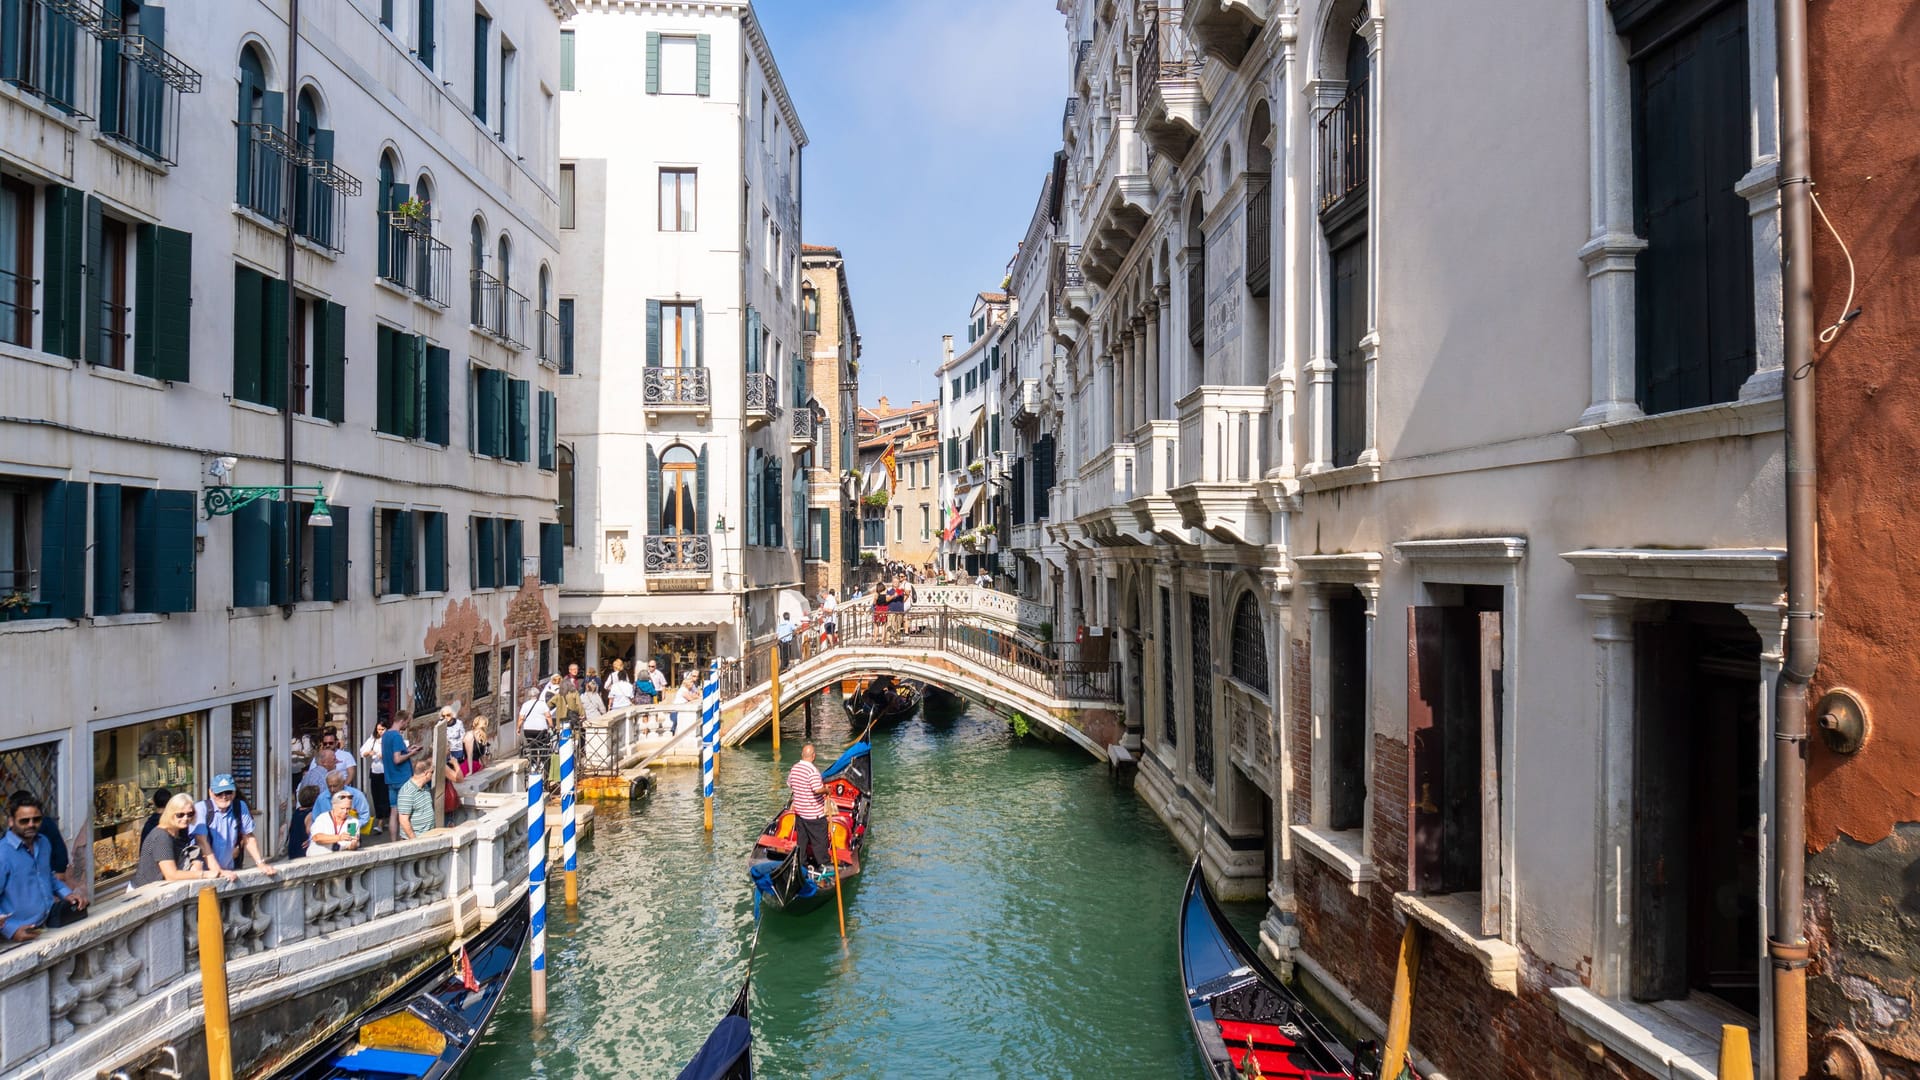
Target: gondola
x=939, y=706
x=776, y=869
x=428, y=1026
x=883, y=701
x=1240, y=1009
x=728, y=1052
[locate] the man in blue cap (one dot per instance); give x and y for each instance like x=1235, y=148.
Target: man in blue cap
x=227, y=826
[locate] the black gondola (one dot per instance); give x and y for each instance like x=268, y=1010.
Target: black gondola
x=728, y=1052
x=425, y=1029
x=775, y=867
x=885, y=700
x=1241, y=1009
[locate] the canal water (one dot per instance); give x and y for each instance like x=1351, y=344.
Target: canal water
x=1015, y=919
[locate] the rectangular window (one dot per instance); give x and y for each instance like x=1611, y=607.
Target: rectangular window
x=567, y=181
x=432, y=527
x=16, y=263
x=107, y=278
x=1347, y=304
x=1453, y=729
x=900, y=522
x=566, y=335
x=423, y=27
x=678, y=56
x=1346, y=677
x=1200, y=651
x=410, y=390
x=426, y=688
x=552, y=555
x=507, y=126
x=143, y=549
x=926, y=522
x=259, y=338
x=678, y=199
x=679, y=335
x=396, y=554
x=567, y=61
x=482, y=675
x=482, y=30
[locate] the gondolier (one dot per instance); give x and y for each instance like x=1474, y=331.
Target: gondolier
x=809, y=811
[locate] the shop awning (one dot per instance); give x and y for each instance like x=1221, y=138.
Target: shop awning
x=972, y=496
x=675, y=610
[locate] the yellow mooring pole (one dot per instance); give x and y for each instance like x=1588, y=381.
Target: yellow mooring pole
x=213, y=987
x=776, y=701
x=1736, y=1053
x=1400, y=1022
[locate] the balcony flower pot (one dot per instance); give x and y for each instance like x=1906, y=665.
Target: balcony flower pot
x=875, y=499
x=14, y=605
x=977, y=467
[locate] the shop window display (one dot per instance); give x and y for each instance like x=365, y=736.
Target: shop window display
x=129, y=765
x=318, y=710
x=678, y=654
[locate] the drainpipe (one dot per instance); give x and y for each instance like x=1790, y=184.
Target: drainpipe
x=1787, y=941
x=286, y=404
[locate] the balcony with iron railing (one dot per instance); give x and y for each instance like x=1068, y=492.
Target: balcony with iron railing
x=549, y=351
x=499, y=310
x=42, y=53
x=802, y=430
x=140, y=89
x=676, y=389
x=1066, y=119
x=1081, y=53
x=286, y=183
x=1259, y=233
x=1172, y=107
x=1226, y=28
x=413, y=260
x=677, y=563
x=1340, y=148
x=761, y=398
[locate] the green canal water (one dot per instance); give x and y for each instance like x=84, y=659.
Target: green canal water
x=1015, y=920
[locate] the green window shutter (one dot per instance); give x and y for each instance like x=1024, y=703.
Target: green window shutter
x=409, y=562
x=425, y=51
x=93, y=285
x=493, y=404
x=434, y=532
x=700, y=492
x=653, y=62
x=703, y=65
x=383, y=410
x=61, y=291
x=546, y=430
x=439, y=372
x=319, y=561
x=512, y=554
x=248, y=290
x=280, y=553
x=481, y=28
x=63, y=550
x=754, y=510
x=653, y=332
x=489, y=553
x=251, y=525
x=273, y=343
x=163, y=575
x=332, y=393
x=653, y=493
x=339, y=551
x=753, y=340
x=699, y=333
x=110, y=84
x=517, y=420
x=566, y=60
x=162, y=301
x=551, y=555
x=106, y=550
x=409, y=371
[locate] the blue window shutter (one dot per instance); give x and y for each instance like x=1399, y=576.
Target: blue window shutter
x=434, y=576
x=700, y=492
x=251, y=524
x=703, y=65
x=339, y=551
x=62, y=289
x=654, y=492
x=106, y=550
x=653, y=333
x=517, y=407
x=566, y=60
x=94, y=284
x=512, y=552
x=63, y=550
x=439, y=376
x=653, y=62
x=163, y=577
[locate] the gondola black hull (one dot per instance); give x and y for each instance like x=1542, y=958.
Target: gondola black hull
x=1238, y=1007
x=728, y=1052
x=436, y=1004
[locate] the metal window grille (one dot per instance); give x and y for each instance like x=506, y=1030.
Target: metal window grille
x=482, y=675
x=1200, y=636
x=31, y=768
x=1170, y=716
x=1249, y=644
x=426, y=688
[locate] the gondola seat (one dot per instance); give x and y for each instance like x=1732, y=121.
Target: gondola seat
x=1277, y=1065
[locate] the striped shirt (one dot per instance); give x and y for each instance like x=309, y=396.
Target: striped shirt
x=807, y=802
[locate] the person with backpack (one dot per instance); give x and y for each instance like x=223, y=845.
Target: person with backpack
x=225, y=828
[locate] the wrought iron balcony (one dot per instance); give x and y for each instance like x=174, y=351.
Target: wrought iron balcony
x=285, y=182
x=41, y=53
x=499, y=309
x=1340, y=147
x=684, y=561
x=140, y=88
x=1080, y=54
x=1259, y=233
x=762, y=397
x=1066, y=118
x=675, y=388
x=549, y=339
x=803, y=427
x=1172, y=108
x=414, y=260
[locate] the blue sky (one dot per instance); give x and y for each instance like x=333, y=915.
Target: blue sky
x=931, y=125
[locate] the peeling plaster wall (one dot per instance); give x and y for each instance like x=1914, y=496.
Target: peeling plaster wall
x=1864, y=875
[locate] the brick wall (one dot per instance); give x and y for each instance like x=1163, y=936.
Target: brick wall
x=465, y=632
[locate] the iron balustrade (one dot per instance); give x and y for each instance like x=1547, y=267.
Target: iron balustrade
x=1259, y=233
x=415, y=261
x=762, y=395
x=41, y=53
x=1165, y=55
x=1341, y=146
x=550, y=339
x=666, y=555
x=264, y=153
x=1066, y=117
x=802, y=425
x=499, y=309
x=1080, y=54
x=283, y=181
x=141, y=86
x=1197, y=298
x=16, y=307
x=669, y=387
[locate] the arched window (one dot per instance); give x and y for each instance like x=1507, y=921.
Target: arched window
x=259, y=168
x=503, y=263
x=564, y=455
x=810, y=308
x=477, y=256
x=1196, y=288
x=392, y=256
x=1249, y=644
x=676, y=491
x=312, y=200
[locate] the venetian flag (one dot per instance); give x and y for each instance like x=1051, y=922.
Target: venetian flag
x=466, y=972
x=891, y=464
x=954, y=518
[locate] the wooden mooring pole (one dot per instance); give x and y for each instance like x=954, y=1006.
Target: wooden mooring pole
x=213, y=987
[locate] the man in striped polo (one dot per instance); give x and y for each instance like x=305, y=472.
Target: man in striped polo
x=809, y=811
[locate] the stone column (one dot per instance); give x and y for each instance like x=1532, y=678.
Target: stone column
x=1370, y=592
x=1612, y=245
x=1770, y=622
x=1611, y=713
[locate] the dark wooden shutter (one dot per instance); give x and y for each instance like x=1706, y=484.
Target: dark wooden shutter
x=654, y=493
x=546, y=430
x=339, y=551
x=700, y=492
x=1425, y=752
x=425, y=24
x=280, y=553
x=434, y=576
x=63, y=550
x=94, y=283
x=273, y=342
x=703, y=65
x=487, y=556
x=163, y=303
x=1348, y=304
x=409, y=561
x=653, y=62
x=149, y=106
x=61, y=289
x=1492, y=696
x=481, y=32
x=251, y=524
x=492, y=394
x=552, y=556
x=106, y=550
x=383, y=409
x=163, y=579
x=512, y=552
x=517, y=420
x=1660, y=772
x=248, y=291
x=653, y=329
x=439, y=376
x=331, y=394
x=319, y=560
x=409, y=364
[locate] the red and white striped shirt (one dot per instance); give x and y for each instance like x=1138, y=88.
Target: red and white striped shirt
x=804, y=779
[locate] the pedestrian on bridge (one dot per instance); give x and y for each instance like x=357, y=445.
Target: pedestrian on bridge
x=784, y=631
x=829, y=621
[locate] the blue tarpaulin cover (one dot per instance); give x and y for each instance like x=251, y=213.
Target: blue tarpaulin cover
x=859, y=749
x=729, y=1043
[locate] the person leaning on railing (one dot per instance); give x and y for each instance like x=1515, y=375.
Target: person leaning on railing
x=171, y=852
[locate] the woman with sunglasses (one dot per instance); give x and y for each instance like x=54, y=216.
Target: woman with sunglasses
x=336, y=830
x=171, y=853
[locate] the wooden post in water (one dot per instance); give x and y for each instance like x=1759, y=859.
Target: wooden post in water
x=1400, y=1021
x=213, y=987
x=776, y=701
x=833, y=858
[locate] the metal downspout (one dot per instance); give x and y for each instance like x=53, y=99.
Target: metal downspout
x=290, y=585
x=1787, y=941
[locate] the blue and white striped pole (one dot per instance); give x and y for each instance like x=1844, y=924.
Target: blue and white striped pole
x=566, y=815
x=537, y=889
x=709, y=735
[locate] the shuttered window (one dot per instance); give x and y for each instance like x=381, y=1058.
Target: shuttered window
x=143, y=550
x=548, y=420
x=408, y=393
x=552, y=554
x=518, y=405
x=566, y=60
x=487, y=400
x=63, y=288
x=324, y=558
x=483, y=555
x=162, y=303
x=329, y=360
x=438, y=421
x=433, y=551
x=252, y=554
x=512, y=553
x=482, y=28
x=259, y=338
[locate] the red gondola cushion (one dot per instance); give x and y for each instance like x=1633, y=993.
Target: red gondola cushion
x=1276, y=1064
x=1236, y=1033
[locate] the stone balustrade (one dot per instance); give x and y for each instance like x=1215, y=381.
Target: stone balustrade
x=106, y=992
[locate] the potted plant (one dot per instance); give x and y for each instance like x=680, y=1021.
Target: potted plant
x=869, y=557
x=875, y=499
x=988, y=530
x=13, y=605
x=977, y=467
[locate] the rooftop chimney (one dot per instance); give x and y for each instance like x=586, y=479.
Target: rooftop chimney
x=884, y=407
x=946, y=347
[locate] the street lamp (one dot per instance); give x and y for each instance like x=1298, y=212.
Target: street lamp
x=224, y=500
